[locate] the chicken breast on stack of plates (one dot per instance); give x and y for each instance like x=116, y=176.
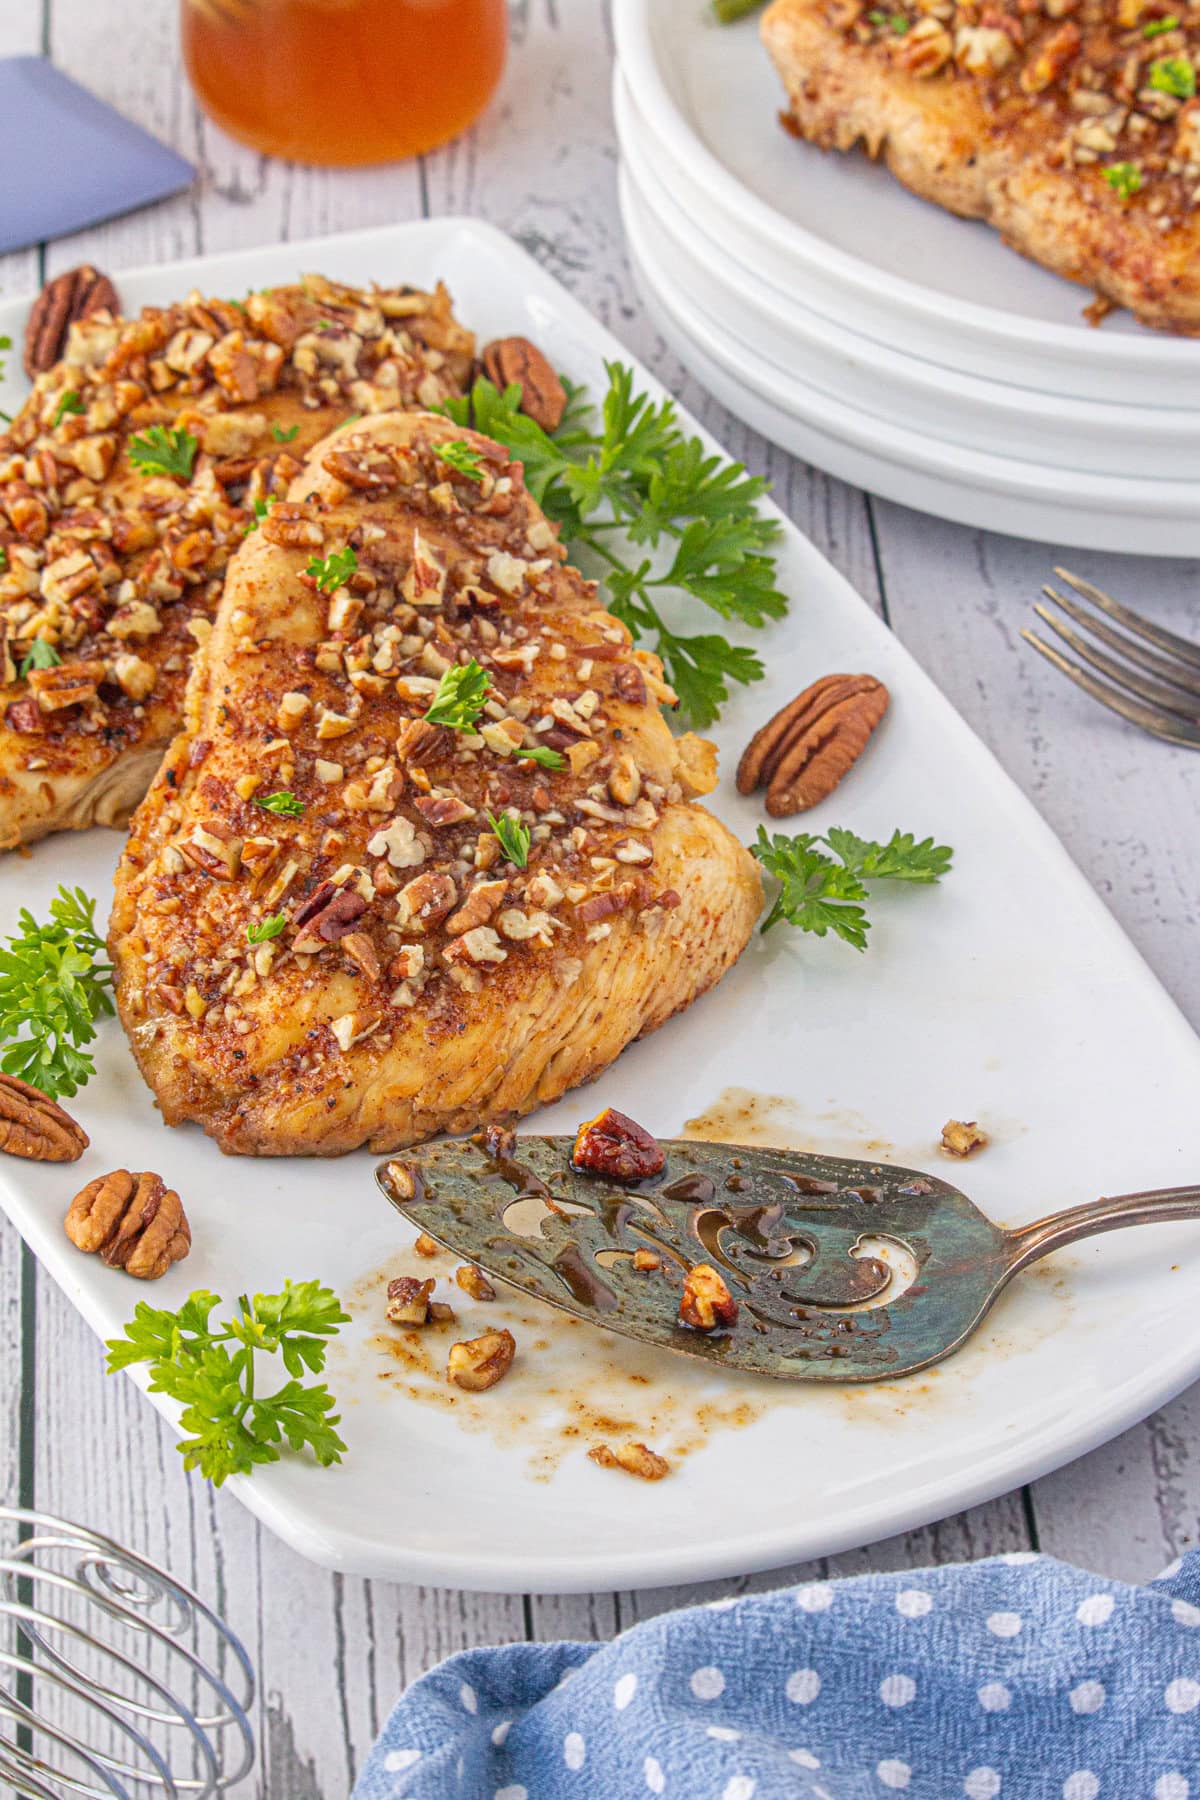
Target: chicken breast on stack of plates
x=1072, y=126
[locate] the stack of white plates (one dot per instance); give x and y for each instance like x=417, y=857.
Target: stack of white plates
x=877, y=336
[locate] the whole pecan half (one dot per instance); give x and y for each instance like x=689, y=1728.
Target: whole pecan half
x=75, y=295
x=34, y=1126
x=132, y=1221
x=801, y=754
x=543, y=397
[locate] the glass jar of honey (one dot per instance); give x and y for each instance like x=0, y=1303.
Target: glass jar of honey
x=344, y=81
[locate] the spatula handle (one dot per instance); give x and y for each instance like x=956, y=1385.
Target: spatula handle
x=1114, y=1213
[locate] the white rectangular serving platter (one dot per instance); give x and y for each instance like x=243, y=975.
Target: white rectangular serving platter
x=1008, y=995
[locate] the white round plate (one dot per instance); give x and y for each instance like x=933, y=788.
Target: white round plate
x=945, y=404
x=844, y=234
x=991, y=493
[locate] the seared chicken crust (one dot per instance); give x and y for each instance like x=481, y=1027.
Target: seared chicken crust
x=375, y=968
x=117, y=570
x=1072, y=126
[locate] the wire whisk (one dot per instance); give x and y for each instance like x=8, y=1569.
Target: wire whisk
x=116, y=1681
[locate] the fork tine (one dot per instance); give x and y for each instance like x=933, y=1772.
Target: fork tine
x=1159, y=724
x=1129, y=648
x=1152, y=691
x=1133, y=621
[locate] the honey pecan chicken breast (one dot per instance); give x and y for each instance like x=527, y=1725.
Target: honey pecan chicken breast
x=113, y=559
x=427, y=927
x=1072, y=126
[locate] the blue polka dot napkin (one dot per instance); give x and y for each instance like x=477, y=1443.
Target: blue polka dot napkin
x=1018, y=1677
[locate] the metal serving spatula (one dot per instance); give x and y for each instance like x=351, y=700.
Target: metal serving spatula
x=840, y=1270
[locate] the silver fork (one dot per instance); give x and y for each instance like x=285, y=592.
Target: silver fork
x=1161, y=691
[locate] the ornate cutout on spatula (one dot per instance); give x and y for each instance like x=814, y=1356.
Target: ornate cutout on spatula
x=839, y=1270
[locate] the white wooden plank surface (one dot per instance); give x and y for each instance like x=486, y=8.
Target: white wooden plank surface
x=333, y=1653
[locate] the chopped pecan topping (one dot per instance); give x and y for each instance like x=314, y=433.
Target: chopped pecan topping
x=635, y=1459
x=481, y=1362
x=328, y=915
x=408, y=1300
x=614, y=1145
x=706, y=1303
x=962, y=1137
x=473, y=1281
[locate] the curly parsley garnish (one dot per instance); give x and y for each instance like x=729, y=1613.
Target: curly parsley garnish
x=67, y=403
x=334, y=570
x=1173, y=75
x=160, y=451
x=514, y=838
x=461, y=456
x=42, y=655
x=266, y=929
x=210, y=1370
x=821, y=893
x=1124, y=178
x=260, y=509
x=1157, y=27
x=284, y=803
x=284, y=437
x=543, y=756
x=460, y=696
x=53, y=987
x=636, y=474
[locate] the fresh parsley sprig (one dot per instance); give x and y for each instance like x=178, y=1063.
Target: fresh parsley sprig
x=463, y=457
x=54, y=985
x=460, y=696
x=263, y=930
x=163, y=451
x=514, y=838
x=42, y=655
x=284, y=437
x=332, y=571
x=1124, y=178
x=728, y=11
x=285, y=804
x=822, y=893
x=543, y=756
x=260, y=509
x=636, y=475
x=210, y=1370
x=1175, y=75
x=67, y=403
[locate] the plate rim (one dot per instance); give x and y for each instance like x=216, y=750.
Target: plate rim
x=359, y=1552
x=992, y=473
x=637, y=58
x=951, y=385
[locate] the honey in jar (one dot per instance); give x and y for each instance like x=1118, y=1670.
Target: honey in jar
x=344, y=81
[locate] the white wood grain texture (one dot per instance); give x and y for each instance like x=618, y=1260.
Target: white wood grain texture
x=1128, y=810
x=334, y=1652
